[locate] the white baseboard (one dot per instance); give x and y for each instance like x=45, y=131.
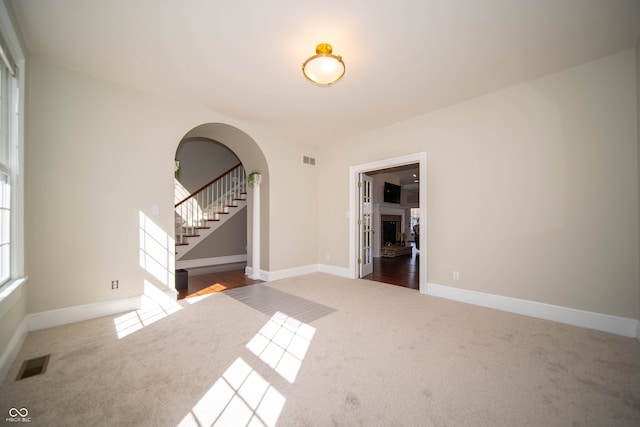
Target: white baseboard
x=300, y=271
x=586, y=319
x=171, y=293
x=269, y=276
x=15, y=344
x=261, y=274
x=215, y=269
x=63, y=316
x=336, y=271
x=208, y=262
x=292, y=272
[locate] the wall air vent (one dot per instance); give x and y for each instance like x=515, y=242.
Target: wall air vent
x=309, y=160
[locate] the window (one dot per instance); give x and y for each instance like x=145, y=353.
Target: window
x=5, y=171
x=11, y=228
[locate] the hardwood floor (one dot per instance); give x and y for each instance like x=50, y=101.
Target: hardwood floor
x=215, y=282
x=400, y=271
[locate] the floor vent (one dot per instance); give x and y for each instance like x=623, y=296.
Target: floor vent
x=33, y=367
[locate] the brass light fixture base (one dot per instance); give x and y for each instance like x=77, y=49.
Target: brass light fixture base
x=324, y=68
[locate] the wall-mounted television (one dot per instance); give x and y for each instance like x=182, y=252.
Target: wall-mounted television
x=391, y=193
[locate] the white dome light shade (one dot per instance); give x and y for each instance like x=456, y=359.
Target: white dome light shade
x=323, y=68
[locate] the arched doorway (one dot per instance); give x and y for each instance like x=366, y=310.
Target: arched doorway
x=231, y=143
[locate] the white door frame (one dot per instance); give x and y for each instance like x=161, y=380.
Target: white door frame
x=354, y=172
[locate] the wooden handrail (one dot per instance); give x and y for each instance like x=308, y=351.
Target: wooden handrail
x=206, y=185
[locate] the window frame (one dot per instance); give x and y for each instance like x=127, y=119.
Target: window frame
x=13, y=164
x=8, y=93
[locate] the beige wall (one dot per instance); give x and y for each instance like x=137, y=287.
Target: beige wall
x=202, y=161
x=532, y=190
x=228, y=240
x=99, y=155
x=294, y=208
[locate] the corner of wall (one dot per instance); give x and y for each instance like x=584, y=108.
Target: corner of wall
x=11, y=351
x=13, y=323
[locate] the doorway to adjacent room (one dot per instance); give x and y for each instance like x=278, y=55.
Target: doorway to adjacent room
x=398, y=261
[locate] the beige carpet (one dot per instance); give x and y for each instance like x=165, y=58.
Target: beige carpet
x=321, y=350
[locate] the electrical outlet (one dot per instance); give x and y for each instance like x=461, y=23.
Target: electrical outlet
x=114, y=284
x=456, y=275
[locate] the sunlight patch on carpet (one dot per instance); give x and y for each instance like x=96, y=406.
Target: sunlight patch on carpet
x=282, y=343
x=155, y=305
x=239, y=397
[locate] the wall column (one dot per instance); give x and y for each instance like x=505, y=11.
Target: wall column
x=254, y=181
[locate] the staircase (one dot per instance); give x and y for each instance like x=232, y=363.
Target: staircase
x=204, y=211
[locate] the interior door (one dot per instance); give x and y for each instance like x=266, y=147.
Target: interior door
x=365, y=222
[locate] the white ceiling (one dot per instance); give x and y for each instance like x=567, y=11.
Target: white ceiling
x=403, y=58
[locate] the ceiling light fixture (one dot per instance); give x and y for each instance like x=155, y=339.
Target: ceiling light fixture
x=323, y=68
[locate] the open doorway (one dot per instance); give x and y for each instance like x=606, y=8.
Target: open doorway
x=395, y=219
x=395, y=201
x=210, y=214
x=244, y=241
